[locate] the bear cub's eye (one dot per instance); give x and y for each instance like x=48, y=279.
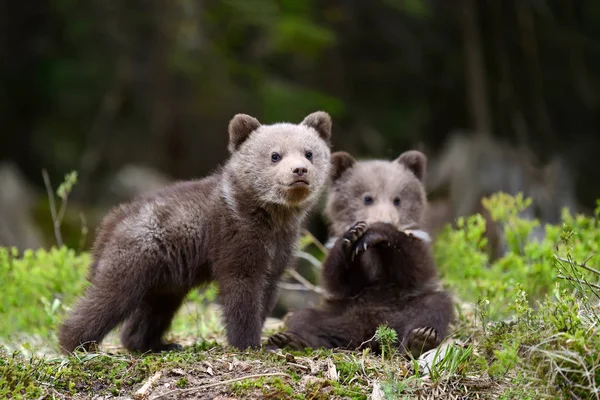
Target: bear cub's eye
x=308, y=155
x=396, y=201
x=368, y=200
x=275, y=157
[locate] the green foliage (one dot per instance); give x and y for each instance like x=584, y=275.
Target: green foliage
x=461, y=255
x=35, y=287
x=536, y=302
x=196, y=317
x=450, y=362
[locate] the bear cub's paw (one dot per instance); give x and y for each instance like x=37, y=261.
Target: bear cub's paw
x=285, y=339
x=422, y=339
x=159, y=348
x=168, y=347
x=353, y=234
x=377, y=234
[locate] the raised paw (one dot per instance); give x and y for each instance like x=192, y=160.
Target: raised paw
x=422, y=339
x=285, y=339
x=354, y=233
x=370, y=239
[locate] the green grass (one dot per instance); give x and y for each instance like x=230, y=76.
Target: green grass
x=527, y=328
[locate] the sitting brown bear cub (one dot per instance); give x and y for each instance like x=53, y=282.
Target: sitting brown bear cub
x=380, y=270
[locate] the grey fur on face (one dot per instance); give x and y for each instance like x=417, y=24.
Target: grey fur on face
x=275, y=182
x=376, y=191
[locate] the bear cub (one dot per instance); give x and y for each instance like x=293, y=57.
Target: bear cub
x=380, y=269
x=238, y=226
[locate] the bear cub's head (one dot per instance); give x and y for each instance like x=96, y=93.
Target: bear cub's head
x=376, y=191
x=280, y=164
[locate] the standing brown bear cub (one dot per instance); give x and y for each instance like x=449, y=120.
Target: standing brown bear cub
x=237, y=226
x=380, y=269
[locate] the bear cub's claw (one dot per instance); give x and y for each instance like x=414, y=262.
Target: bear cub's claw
x=278, y=340
x=422, y=339
x=354, y=233
x=371, y=238
x=285, y=339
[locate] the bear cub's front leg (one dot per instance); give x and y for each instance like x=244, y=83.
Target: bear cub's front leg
x=341, y=275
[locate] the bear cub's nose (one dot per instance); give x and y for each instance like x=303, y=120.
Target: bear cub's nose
x=300, y=171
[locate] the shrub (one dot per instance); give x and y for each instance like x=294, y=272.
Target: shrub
x=35, y=286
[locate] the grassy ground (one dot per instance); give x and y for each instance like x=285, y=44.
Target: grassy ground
x=527, y=329
x=209, y=369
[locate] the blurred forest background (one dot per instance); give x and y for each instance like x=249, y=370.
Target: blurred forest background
x=500, y=95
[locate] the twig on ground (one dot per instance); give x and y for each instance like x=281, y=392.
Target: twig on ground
x=143, y=391
x=55, y=220
x=193, y=389
x=367, y=341
x=304, y=367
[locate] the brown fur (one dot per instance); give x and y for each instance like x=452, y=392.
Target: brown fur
x=237, y=226
x=377, y=271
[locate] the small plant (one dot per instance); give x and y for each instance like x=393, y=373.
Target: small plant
x=388, y=339
x=182, y=383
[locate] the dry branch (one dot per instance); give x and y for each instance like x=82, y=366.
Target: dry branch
x=143, y=391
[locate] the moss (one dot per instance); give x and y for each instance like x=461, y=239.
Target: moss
x=269, y=387
x=18, y=377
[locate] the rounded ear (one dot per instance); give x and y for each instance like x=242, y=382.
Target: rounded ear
x=414, y=161
x=340, y=163
x=321, y=122
x=240, y=127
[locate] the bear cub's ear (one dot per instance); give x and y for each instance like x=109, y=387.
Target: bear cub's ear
x=240, y=127
x=414, y=161
x=340, y=163
x=321, y=122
